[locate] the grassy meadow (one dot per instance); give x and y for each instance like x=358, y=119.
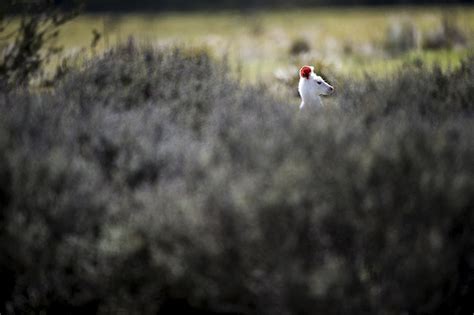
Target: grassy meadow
x=348, y=41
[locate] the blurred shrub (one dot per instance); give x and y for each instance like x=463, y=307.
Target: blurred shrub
x=150, y=182
x=447, y=36
x=299, y=46
x=254, y=22
x=437, y=95
x=402, y=36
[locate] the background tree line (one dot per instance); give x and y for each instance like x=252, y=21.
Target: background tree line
x=126, y=5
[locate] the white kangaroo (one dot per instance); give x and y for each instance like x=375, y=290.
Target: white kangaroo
x=311, y=86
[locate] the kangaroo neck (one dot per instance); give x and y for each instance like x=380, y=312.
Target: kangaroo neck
x=315, y=101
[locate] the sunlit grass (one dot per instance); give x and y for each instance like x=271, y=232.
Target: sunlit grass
x=259, y=41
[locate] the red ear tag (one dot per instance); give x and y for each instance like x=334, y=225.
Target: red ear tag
x=305, y=72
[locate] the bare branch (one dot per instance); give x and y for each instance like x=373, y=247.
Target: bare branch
x=30, y=46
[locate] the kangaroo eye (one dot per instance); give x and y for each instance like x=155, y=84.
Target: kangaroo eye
x=319, y=82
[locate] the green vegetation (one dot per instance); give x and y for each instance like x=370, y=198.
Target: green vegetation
x=351, y=40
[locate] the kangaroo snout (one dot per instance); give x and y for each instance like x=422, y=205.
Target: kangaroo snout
x=330, y=90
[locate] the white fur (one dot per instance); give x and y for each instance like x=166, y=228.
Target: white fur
x=311, y=88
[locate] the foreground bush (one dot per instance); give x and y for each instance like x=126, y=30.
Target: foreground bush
x=150, y=182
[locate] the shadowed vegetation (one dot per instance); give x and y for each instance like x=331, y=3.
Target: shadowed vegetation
x=28, y=45
x=151, y=182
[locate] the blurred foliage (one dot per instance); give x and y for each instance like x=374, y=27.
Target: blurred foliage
x=402, y=36
x=447, y=36
x=151, y=182
x=299, y=46
x=260, y=41
x=129, y=5
x=26, y=48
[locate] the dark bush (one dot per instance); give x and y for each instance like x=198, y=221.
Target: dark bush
x=151, y=182
x=299, y=46
x=402, y=36
x=447, y=36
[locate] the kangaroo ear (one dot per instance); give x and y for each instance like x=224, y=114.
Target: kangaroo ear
x=305, y=71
